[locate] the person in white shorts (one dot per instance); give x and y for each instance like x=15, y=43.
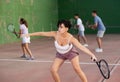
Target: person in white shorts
x=101, y=30
x=81, y=29
x=25, y=40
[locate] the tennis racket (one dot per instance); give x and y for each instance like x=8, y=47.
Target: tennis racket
x=104, y=68
x=11, y=29
x=73, y=22
x=88, y=25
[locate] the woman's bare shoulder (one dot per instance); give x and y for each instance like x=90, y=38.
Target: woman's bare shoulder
x=70, y=35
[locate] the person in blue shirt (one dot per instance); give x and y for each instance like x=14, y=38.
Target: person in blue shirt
x=101, y=30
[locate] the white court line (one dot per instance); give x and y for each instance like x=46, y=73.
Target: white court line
x=48, y=61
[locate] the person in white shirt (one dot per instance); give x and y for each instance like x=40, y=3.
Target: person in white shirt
x=25, y=40
x=81, y=29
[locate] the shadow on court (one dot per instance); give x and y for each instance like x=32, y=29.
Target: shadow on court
x=15, y=69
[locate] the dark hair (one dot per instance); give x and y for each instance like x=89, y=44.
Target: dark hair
x=66, y=23
x=94, y=11
x=23, y=21
x=76, y=14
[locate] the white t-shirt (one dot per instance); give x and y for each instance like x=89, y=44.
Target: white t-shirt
x=81, y=26
x=24, y=29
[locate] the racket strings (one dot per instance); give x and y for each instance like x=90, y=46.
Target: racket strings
x=104, y=69
x=11, y=28
x=73, y=22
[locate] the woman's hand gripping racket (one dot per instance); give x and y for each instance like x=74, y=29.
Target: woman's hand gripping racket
x=11, y=29
x=103, y=67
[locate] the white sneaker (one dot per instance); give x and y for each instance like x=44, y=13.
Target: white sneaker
x=99, y=50
x=86, y=45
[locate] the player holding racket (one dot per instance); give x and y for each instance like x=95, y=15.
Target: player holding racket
x=81, y=29
x=101, y=30
x=25, y=40
x=64, y=44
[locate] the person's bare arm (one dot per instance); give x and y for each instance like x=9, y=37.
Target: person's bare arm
x=84, y=49
x=47, y=34
x=77, y=26
x=19, y=33
x=94, y=26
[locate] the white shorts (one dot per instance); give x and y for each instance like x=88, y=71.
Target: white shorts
x=100, y=34
x=81, y=33
x=25, y=40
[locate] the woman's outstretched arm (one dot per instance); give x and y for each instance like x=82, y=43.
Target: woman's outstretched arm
x=84, y=49
x=47, y=34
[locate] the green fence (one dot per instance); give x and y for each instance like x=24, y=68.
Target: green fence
x=108, y=10
x=41, y=15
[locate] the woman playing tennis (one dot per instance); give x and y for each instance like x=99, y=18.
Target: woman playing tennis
x=64, y=44
x=25, y=40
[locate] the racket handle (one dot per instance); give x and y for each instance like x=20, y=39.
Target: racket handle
x=16, y=34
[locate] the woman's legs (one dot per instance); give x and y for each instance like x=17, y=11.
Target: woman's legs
x=76, y=66
x=28, y=50
x=24, y=51
x=55, y=67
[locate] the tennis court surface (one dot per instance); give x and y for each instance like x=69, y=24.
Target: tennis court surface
x=15, y=69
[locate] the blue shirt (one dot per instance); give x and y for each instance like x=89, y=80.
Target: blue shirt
x=100, y=25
